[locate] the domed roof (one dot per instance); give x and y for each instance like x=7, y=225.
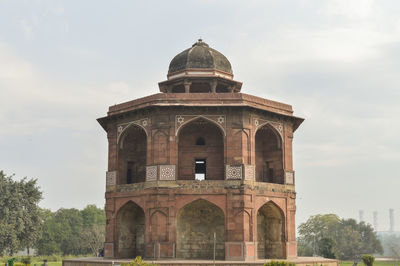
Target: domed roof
x=200, y=55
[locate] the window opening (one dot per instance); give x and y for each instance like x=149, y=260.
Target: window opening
x=200, y=142
x=200, y=169
x=130, y=172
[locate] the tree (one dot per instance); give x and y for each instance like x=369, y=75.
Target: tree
x=19, y=213
x=315, y=229
x=92, y=238
x=71, y=231
x=327, y=235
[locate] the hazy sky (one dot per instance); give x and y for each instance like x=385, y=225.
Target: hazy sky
x=62, y=63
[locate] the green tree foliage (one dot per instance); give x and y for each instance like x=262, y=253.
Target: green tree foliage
x=71, y=231
x=19, y=213
x=327, y=235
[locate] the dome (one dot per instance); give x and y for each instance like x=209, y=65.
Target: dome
x=200, y=56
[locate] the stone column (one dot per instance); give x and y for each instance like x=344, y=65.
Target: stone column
x=213, y=85
x=187, y=85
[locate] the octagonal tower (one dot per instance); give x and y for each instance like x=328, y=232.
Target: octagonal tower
x=200, y=159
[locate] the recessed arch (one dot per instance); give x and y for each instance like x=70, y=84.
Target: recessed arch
x=130, y=230
x=122, y=134
x=270, y=232
x=132, y=155
x=200, y=162
x=160, y=147
x=268, y=155
x=273, y=129
x=200, y=117
x=196, y=223
x=159, y=226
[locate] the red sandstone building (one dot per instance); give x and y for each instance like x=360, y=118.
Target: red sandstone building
x=199, y=158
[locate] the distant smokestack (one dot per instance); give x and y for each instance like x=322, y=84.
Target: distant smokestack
x=361, y=215
x=391, y=219
x=375, y=214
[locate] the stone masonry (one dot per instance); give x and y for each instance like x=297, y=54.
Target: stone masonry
x=197, y=159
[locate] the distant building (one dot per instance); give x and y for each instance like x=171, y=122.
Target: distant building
x=199, y=158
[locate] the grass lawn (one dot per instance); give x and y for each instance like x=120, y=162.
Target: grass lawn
x=55, y=263
x=376, y=263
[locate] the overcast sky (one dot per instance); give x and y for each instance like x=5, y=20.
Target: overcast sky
x=62, y=63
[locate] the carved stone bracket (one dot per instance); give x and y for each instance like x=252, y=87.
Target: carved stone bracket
x=143, y=123
x=219, y=120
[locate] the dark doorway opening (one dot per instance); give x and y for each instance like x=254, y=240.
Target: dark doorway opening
x=130, y=172
x=200, y=169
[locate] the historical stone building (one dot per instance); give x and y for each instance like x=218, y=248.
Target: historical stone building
x=199, y=158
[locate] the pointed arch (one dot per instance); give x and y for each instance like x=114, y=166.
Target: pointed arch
x=271, y=231
x=160, y=147
x=130, y=231
x=158, y=226
x=270, y=126
x=132, y=155
x=200, y=117
x=200, y=161
x=245, y=145
x=196, y=223
x=268, y=154
x=121, y=135
x=245, y=222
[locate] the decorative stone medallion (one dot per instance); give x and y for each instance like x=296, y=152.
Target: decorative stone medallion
x=167, y=172
x=289, y=177
x=249, y=172
x=233, y=172
x=111, y=178
x=151, y=173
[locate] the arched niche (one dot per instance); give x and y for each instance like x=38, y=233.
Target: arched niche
x=269, y=155
x=192, y=157
x=197, y=222
x=132, y=154
x=160, y=147
x=130, y=231
x=158, y=226
x=270, y=232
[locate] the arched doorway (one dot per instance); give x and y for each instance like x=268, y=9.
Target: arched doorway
x=269, y=156
x=131, y=227
x=270, y=232
x=132, y=156
x=201, y=151
x=197, y=222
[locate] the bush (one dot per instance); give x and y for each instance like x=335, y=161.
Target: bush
x=26, y=260
x=368, y=259
x=279, y=263
x=137, y=262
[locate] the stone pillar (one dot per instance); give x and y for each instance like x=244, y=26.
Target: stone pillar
x=213, y=85
x=187, y=85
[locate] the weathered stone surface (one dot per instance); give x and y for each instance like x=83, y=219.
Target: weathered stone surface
x=154, y=206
